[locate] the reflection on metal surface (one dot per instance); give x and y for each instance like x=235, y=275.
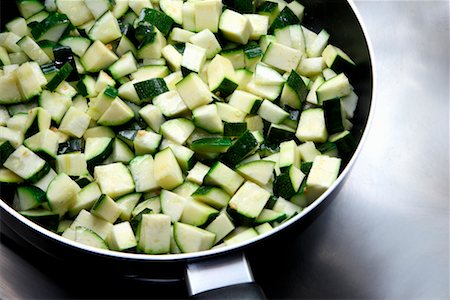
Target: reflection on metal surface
x=215, y=273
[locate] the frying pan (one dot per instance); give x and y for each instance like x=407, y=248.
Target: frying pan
x=222, y=272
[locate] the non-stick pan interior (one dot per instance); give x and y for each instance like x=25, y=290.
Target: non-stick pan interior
x=338, y=18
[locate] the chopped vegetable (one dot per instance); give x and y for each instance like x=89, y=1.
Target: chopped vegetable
x=170, y=128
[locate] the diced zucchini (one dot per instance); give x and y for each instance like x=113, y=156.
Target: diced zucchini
x=222, y=176
x=192, y=239
x=270, y=216
x=173, y=57
x=247, y=203
x=98, y=57
x=121, y=237
x=260, y=25
x=72, y=164
x=88, y=220
x=118, y=113
x=78, y=44
x=259, y=171
x=28, y=197
x=272, y=112
x=286, y=207
x=289, y=155
x=333, y=115
x=239, y=235
x=294, y=91
x=316, y=48
x=6, y=149
x=61, y=193
x=206, y=40
x=244, y=146
x=282, y=57
x=86, y=198
x=8, y=40
x=229, y=113
x=106, y=208
x=128, y=204
x=235, y=27
x=45, y=181
x=154, y=234
x=221, y=227
x=124, y=66
x=285, y=18
x=97, y=149
x=194, y=57
x=270, y=9
x=150, y=47
x=99, y=7
x=27, y=164
x=221, y=76
x=142, y=171
x=173, y=8
x=198, y=214
x=311, y=126
x=178, y=35
x=336, y=59
x=288, y=183
x=32, y=49
x=207, y=117
x=51, y=28
x=138, y=5
x=336, y=87
x=177, y=130
x=27, y=8
x=75, y=122
x=167, y=172
x=234, y=129
x=323, y=174
x=55, y=103
x=43, y=143
x=156, y=18
x=149, y=89
x=146, y=142
x=345, y=142
x=236, y=56
x=212, y=196
x=114, y=179
x=9, y=85
x=76, y=10
x=170, y=104
x=172, y=205
x=207, y=15
x=30, y=80
x=198, y=173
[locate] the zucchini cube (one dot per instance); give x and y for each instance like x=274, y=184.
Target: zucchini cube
x=235, y=27
x=107, y=209
x=114, y=179
x=121, y=237
x=207, y=15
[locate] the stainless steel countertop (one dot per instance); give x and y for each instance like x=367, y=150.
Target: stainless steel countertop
x=386, y=234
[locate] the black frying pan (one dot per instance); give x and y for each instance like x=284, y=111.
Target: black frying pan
x=341, y=20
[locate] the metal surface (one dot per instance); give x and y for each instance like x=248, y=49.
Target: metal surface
x=386, y=233
x=216, y=273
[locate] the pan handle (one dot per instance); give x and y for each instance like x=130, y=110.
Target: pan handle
x=225, y=277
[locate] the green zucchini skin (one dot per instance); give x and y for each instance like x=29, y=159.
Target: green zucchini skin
x=285, y=18
x=147, y=90
x=243, y=146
